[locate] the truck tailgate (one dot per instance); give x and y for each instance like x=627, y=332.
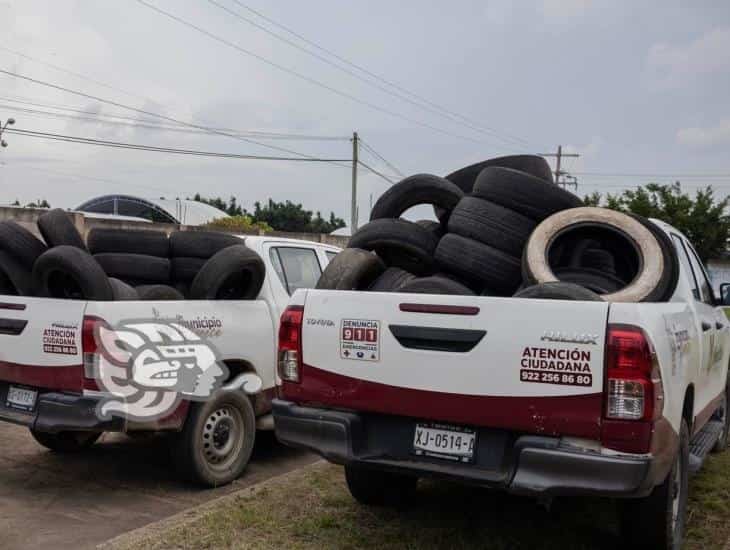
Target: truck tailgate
x=526, y=365
x=40, y=342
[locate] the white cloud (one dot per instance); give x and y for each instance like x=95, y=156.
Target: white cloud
x=562, y=10
x=673, y=65
x=699, y=138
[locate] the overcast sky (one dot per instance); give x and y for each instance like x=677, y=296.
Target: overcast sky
x=635, y=87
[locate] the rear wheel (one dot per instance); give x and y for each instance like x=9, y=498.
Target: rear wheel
x=378, y=488
x=216, y=443
x=66, y=442
x=658, y=521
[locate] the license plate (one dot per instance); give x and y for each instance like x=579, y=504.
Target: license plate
x=21, y=398
x=453, y=443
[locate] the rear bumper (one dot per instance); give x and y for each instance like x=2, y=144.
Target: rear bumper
x=57, y=412
x=523, y=464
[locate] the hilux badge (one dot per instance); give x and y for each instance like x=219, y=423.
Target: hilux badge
x=570, y=337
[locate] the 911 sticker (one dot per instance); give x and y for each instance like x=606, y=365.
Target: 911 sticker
x=360, y=340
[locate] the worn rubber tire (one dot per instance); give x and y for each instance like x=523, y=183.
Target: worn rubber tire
x=71, y=273
x=559, y=291
x=128, y=241
x=183, y=288
x=135, y=267
x=530, y=196
x=595, y=280
x=436, y=284
x=158, y=293
x=20, y=243
x=391, y=280
x=58, y=229
x=15, y=276
x=575, y=251
x=670, y=257
x=647, y=522
x=433, y=226
x=121, y=291
x=6, y=286
x=185, y=269
x=414, y=190
x=596, y=258
x=233, y=273
x=351, y=269
x=647, y=285
x=378, y=488
x=531, y=164
x=478, y=264
x=399, y=243
x=465, y=177
x=200, y=244
x=66, y=442
x=189, y=452
x=491, y=224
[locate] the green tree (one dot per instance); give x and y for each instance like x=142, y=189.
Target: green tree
x=230, y=207
x=280, y=216
x=238, y=224
x=41, y=203
x=701, y=218
x=288, y=216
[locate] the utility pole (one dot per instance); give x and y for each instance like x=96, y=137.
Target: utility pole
x=8, y=122
x=353, y=204
x=560, y=173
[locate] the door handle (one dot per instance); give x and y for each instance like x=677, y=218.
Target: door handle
x=706, y=326
x=719, y=325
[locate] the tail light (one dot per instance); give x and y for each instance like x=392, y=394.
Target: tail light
x=90, y=352
x=290, y=344
x=634, y=392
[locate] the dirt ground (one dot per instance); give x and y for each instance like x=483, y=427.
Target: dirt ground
x=78, y=501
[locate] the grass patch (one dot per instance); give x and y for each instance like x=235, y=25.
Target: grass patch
x=311, y=508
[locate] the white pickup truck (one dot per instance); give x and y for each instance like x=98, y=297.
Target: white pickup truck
x=47, y=358
x=536, y=397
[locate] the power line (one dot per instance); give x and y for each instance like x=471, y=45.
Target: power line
x=693, y=184
x=152, y=114
x=73, y=73
x=148, y=100
x=420, y=103
x=374, y=171
x=652, y=175
x=157, y=149
x=90, y=116
x=301, y=75
x=383, y=159
x=360, y=67
x=90, y=178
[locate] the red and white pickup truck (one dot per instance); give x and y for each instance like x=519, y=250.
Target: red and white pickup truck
x=48, y=357
x=536, y=397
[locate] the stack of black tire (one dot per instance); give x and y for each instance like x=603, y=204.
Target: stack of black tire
x=488, y=214
x=120, y=264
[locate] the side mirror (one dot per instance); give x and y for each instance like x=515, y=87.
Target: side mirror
x=725, y=294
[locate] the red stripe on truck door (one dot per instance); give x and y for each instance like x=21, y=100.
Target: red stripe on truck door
x=578, y=416
x=53, y=378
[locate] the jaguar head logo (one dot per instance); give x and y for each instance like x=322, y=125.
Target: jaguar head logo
x=147, y=368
